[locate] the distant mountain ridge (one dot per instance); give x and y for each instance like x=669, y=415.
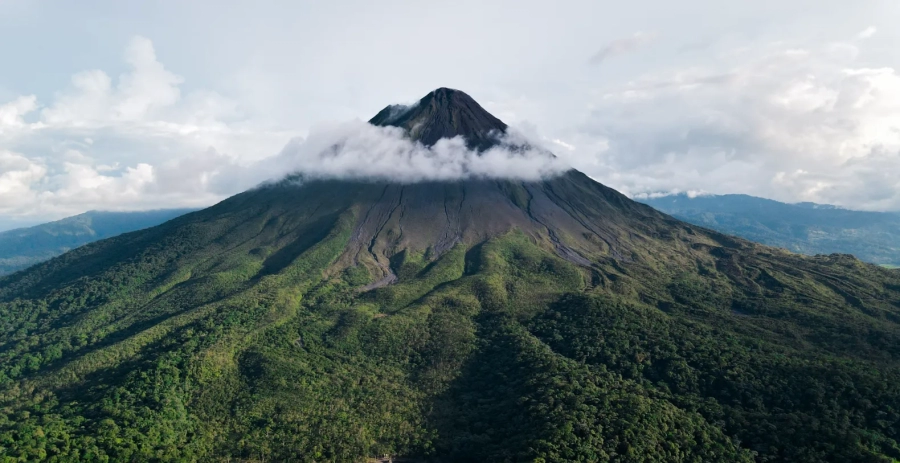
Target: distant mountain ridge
x=806, y=228
x=23, y=247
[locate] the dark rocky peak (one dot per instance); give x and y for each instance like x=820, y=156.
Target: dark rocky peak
x=444, y=113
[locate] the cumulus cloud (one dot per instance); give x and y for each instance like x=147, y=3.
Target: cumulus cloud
x=790, y=122
x=131, y=142
x=142, y=92
x=622, y=46
x=12, y=113
x=17, y=174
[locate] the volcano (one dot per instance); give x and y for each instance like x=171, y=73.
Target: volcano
x=479, y=319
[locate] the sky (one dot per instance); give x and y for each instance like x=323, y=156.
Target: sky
x=140, y=105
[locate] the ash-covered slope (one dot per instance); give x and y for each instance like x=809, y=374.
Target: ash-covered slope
x=470, y=320
x=578, y=218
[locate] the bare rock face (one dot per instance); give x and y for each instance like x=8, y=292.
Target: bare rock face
x=444, y=113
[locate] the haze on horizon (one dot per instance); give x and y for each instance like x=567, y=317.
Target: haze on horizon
x=158, y=105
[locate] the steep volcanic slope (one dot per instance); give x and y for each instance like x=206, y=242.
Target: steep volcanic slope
x=472, y=320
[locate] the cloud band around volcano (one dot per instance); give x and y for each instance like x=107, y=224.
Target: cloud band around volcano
x=358, y=150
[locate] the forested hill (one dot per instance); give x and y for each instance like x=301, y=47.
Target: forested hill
x=457, y=321
x=805, y=227
x=24, y=247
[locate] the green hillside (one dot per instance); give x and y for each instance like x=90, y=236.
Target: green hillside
x=241, y=333
x=24, y=247
x=472, y=320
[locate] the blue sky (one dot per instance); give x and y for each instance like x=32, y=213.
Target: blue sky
x=137, y=105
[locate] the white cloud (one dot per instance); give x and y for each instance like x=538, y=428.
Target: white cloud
x=12, y=113
x=131, y=143
x=661, y=194
x=139, y=95
x=867, y=32
x=18, y=176
x=359, y=150
x=798, y=124
x=563, y=144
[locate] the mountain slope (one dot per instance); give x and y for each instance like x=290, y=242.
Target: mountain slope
x=805, y=228
x=473, y=320
x=23, y=247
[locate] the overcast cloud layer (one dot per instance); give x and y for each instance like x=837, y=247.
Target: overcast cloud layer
x=170, y=105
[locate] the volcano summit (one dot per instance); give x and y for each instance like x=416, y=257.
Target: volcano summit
x=444, y=136
x=470, y=319
x=444, y=113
